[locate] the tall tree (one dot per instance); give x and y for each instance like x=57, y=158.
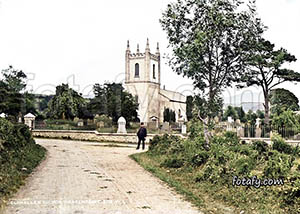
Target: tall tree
x=209, y=39
x=230, y=112
x=112, y=100
x=266, y=69
x=65, y=104
x=282, y=100
x=12, y=102
x=15, y=79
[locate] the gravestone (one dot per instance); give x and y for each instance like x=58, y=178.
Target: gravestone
x=80, y=123
x=183, y=129
x=100, y=124
x=258, y=132
x=257, y=124
x=240, y=131
x=122, y=125
x=152, y=125
x=29, y=120
x=230, y=122
x=216, y=119
x=2, y=115
x=166, y=126
x=76, y=120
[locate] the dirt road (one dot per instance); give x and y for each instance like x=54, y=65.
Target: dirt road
x=81, y=177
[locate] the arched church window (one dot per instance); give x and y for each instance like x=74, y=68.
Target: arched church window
x=154, y=72
x=137, y=70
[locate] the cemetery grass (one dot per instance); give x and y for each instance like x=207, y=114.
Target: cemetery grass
x=219, y=195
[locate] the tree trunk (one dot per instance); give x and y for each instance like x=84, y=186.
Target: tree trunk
x=267, y=110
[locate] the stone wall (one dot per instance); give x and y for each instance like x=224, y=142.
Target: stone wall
x=89, y=136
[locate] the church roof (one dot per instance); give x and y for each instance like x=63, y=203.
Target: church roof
x=173, y=96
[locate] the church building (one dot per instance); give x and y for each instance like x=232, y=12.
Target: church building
x=143, y=81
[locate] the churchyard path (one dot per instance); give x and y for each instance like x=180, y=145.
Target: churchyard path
x=90, y=178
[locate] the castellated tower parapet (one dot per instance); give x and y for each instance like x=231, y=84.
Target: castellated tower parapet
x=144, y=66
x=142, y=80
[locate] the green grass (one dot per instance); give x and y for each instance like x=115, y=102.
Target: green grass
x=181, y=182
x=205, y=177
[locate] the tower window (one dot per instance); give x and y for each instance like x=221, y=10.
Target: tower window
x=137, y=98
x=137, y=70
x=154, y=72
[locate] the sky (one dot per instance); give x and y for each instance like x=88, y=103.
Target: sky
x=83, y=42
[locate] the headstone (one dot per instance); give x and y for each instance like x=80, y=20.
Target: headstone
x=80, y=123
x=183, y=129
x=29, y=120
x=240, y=131
x=297, y=137
x=152, y=125
x=216, y=119
x=122, y=125
x=238, y=122
x=76, y=120
x=229, y=124
x=100, y=124
x=257, y=124
x=2, y=115
x=258, y=132
x=166, y=126
x=90, y=122
x=230, y=120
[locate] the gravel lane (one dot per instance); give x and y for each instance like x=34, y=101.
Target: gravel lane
x=83, y=177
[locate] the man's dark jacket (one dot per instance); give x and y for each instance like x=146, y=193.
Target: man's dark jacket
x=142, y=133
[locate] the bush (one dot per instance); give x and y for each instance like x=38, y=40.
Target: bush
x=260, y=146
x=280, y=145
x=278, y=165
x=18, y=151
x=200, y=158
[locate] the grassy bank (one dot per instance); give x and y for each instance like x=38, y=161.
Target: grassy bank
x=205, y=176
x=19, y=155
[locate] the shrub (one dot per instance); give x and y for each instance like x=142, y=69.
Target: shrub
x=280, y=145
x=278, y=165
x=244, y=165
x=260, y=146
x=199, y=158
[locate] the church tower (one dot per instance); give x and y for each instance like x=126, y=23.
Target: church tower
x=142, y=80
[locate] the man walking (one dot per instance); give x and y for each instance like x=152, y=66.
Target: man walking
x=142, y=133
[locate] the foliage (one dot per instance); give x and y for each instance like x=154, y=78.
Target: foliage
x=286, y=119
x=209, y=40
x=280, y=145
x=282, y=100
x=65, y=104
x=230, y=112
x=227, y=157
x=14, y=79
x=241, y=114
x=260, y=146
x=105, y=119
x=251, y=117
x=189, y=107
x=278, y=165
x=169, y=115
x=11, y=102
x=112, y=100
x=19, y=152
x=266, y=68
